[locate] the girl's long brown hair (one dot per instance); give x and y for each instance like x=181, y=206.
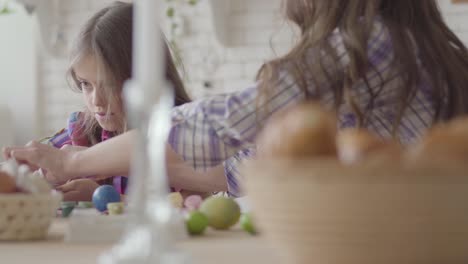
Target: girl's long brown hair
x=107, y=36
x=410, y=23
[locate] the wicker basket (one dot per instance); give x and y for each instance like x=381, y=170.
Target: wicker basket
x=322, y=212
x=27, y=216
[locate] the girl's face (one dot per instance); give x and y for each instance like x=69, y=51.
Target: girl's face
x=106, y=113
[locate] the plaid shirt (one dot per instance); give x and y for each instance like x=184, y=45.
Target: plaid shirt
x=72, y=136
x=210, y=131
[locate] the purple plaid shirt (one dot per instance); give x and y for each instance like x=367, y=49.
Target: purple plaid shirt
x=210, y=131
x=71, y=136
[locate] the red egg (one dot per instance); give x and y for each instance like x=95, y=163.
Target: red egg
x=7, y=183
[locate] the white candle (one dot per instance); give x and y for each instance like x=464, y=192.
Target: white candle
x=147, y=50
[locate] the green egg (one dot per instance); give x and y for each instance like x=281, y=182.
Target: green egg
x=247, y=224
x=222, y=212
x=196, y=223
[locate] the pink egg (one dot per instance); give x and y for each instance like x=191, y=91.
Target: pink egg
x=193, y=202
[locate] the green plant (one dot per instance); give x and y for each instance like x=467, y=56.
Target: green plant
x=172, y=12
x=5, y=10
x=174, y=24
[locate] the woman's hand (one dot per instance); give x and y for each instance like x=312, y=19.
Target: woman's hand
x=78, y=190
x=183, y=176
x=52, y=160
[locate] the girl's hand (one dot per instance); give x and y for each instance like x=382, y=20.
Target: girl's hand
x=78, y=190
x=53, y=161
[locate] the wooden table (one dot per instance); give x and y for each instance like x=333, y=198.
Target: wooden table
x=226, y=247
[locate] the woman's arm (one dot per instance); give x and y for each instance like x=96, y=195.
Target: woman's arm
x=184, y=176
x=113, y=156
x=234, y=177
x=208, y=132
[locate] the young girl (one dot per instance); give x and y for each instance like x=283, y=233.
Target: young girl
x=100, y=63
x=392, y=66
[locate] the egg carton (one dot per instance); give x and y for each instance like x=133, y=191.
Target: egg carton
x=87, y=225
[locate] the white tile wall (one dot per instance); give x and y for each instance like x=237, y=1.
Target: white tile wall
x=253, y=26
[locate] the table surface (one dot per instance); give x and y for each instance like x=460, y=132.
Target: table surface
x=234, y=246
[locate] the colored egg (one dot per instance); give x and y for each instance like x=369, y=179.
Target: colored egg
x=103, y=195
x=67, y=207
x=176, y=199
x=7, y=183
x=247, y=223
x=115, y=208
x=222, y=212
x=196, y=223
x=193, y=202
x=85, y=204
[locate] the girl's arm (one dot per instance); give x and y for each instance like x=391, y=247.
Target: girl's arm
x=112, y=157
x=109, y=158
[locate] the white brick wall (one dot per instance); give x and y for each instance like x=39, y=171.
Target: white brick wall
x=56, y=99
x=252, y=25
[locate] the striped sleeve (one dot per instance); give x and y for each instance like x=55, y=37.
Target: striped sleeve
x=209, y=131
x=64, y=136
x=60, y=139
x=233, y=175
x=206, y=133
